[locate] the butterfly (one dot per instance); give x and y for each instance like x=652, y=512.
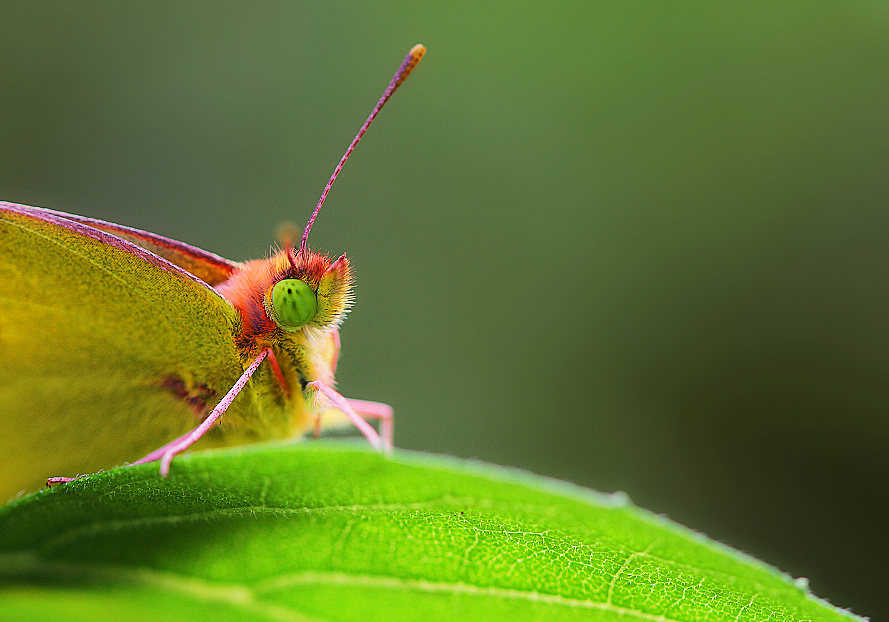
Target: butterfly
x=114, y=341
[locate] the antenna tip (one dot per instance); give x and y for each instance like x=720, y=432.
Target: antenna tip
x=410, y=61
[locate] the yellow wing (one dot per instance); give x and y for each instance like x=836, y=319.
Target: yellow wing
x=107, y=351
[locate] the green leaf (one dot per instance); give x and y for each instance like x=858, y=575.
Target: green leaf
x=325, y=531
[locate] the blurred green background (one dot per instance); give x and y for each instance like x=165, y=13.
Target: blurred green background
x=640, y=246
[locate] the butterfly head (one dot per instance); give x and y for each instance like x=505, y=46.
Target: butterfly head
x=308, y=289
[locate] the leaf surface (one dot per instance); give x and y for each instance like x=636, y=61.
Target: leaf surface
x=326, y=531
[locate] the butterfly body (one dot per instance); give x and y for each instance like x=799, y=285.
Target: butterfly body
x=139, y=348
x=115, y=341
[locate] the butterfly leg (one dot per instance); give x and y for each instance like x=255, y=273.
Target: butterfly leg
x=341, y=403
x=60, y=480
x=165, y=454
x=157, y=454
x=376, y=410
x=276, y=370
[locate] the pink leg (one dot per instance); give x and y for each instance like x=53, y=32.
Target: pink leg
x=341, y=403
x=276, y=369
x=158, y=453
x=376, y=410
x=60, y=480
x=166, y=453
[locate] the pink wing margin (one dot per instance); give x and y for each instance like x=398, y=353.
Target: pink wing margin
x=202, y=266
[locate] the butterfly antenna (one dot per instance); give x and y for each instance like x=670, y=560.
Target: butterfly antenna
x=400, y=76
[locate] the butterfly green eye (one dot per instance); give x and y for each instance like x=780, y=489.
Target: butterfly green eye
x=294, y=303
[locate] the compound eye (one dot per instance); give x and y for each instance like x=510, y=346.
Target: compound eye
x=294, y=303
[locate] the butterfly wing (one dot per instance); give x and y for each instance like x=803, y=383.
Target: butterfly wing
x=208, y=267
x=107, y=350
